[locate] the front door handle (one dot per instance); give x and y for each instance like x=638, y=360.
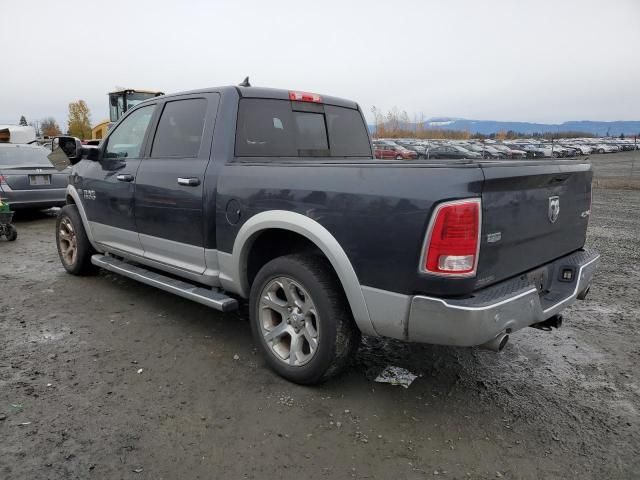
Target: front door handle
x=189, y=182
x=125, y=177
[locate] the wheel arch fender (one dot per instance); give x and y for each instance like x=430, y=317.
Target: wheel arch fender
x=233, y=267
x=77, y=201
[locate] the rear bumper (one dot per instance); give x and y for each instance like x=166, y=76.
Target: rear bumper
x=41, y=198
x=501, y=308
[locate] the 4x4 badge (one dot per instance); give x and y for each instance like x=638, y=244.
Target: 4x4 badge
x=554, y=208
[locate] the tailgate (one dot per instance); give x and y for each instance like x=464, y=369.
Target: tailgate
x=34, y=178
x=532, y=214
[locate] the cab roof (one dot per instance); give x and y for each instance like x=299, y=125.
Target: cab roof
x=263, y=92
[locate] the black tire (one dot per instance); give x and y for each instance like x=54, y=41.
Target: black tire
x=11, y=233
x=398, y=157
x=338, y=335
x=81, y=265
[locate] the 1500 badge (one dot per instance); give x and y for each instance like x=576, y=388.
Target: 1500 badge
x=87, y=194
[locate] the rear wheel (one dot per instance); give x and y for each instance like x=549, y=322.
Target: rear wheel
x=300, y=319
x=74, y=248
x=398, y=157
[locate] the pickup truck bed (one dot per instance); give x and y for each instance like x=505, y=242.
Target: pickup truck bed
x=274, y=196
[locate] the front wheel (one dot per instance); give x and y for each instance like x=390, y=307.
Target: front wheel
x=398, y=157
x=74, y=248
x=301, y=320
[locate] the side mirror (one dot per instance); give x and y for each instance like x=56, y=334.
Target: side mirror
x=65, y=151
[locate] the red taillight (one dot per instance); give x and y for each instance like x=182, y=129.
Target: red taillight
x=305, y=97
x=453, y=239
x=3, y=180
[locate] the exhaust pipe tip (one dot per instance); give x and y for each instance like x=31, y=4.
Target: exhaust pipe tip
x=497, y=344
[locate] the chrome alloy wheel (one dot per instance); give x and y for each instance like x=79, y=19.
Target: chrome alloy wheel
x=289, y=321
x=67, y=241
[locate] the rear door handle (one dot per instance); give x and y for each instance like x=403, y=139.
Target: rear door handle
x=189, y=182
x=125, y=177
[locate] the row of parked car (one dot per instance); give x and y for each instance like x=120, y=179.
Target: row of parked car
x=409, y=149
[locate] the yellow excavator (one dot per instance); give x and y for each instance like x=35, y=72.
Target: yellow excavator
x=122, y=100
x=119, y=102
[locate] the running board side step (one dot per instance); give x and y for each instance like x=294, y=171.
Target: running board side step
x=210, y=298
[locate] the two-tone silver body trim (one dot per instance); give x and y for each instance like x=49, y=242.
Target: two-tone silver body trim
x=120, y=245
x=233, y=267
x=229, y=270
x=438, y=321
x=426, y=319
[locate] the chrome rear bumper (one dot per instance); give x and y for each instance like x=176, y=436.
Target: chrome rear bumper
x=502, y=308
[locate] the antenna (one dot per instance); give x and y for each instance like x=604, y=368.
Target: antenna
x=245, y=82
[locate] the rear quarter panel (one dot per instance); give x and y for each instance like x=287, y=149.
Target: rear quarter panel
x=377, y=211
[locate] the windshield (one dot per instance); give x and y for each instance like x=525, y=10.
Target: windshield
x=17, y=156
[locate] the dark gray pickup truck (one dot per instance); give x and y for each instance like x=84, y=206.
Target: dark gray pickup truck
x=274, y=196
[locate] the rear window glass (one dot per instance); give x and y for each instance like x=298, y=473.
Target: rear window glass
x=18, y=156
x=179, y=131
x=272, y=128
x=347, y=132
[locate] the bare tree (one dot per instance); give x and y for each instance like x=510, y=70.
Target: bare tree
x=36, y=126
x=50, y=127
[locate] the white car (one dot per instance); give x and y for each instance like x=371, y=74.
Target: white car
x=605, y=148
x=583, y=149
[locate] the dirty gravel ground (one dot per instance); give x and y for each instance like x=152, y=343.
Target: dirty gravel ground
x=73, y=405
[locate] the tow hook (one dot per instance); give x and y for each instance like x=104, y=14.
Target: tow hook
x=549, y=323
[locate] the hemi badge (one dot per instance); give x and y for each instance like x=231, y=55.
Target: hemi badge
x=585, y=214
x=494, y=237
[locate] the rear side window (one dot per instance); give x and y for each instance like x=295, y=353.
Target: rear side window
x=274, y=128
x=179, y=131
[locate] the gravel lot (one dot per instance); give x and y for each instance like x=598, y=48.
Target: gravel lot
x=102, y=377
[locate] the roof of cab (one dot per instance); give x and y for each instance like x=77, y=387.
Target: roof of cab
x=262, y=92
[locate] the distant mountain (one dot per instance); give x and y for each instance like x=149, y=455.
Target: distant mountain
x=487, y=127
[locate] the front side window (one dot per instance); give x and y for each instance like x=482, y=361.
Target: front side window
x=278, y=128
x=179, y=131
x=126, y=140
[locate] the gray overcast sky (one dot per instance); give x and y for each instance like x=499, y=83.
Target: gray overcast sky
x=542, y=60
